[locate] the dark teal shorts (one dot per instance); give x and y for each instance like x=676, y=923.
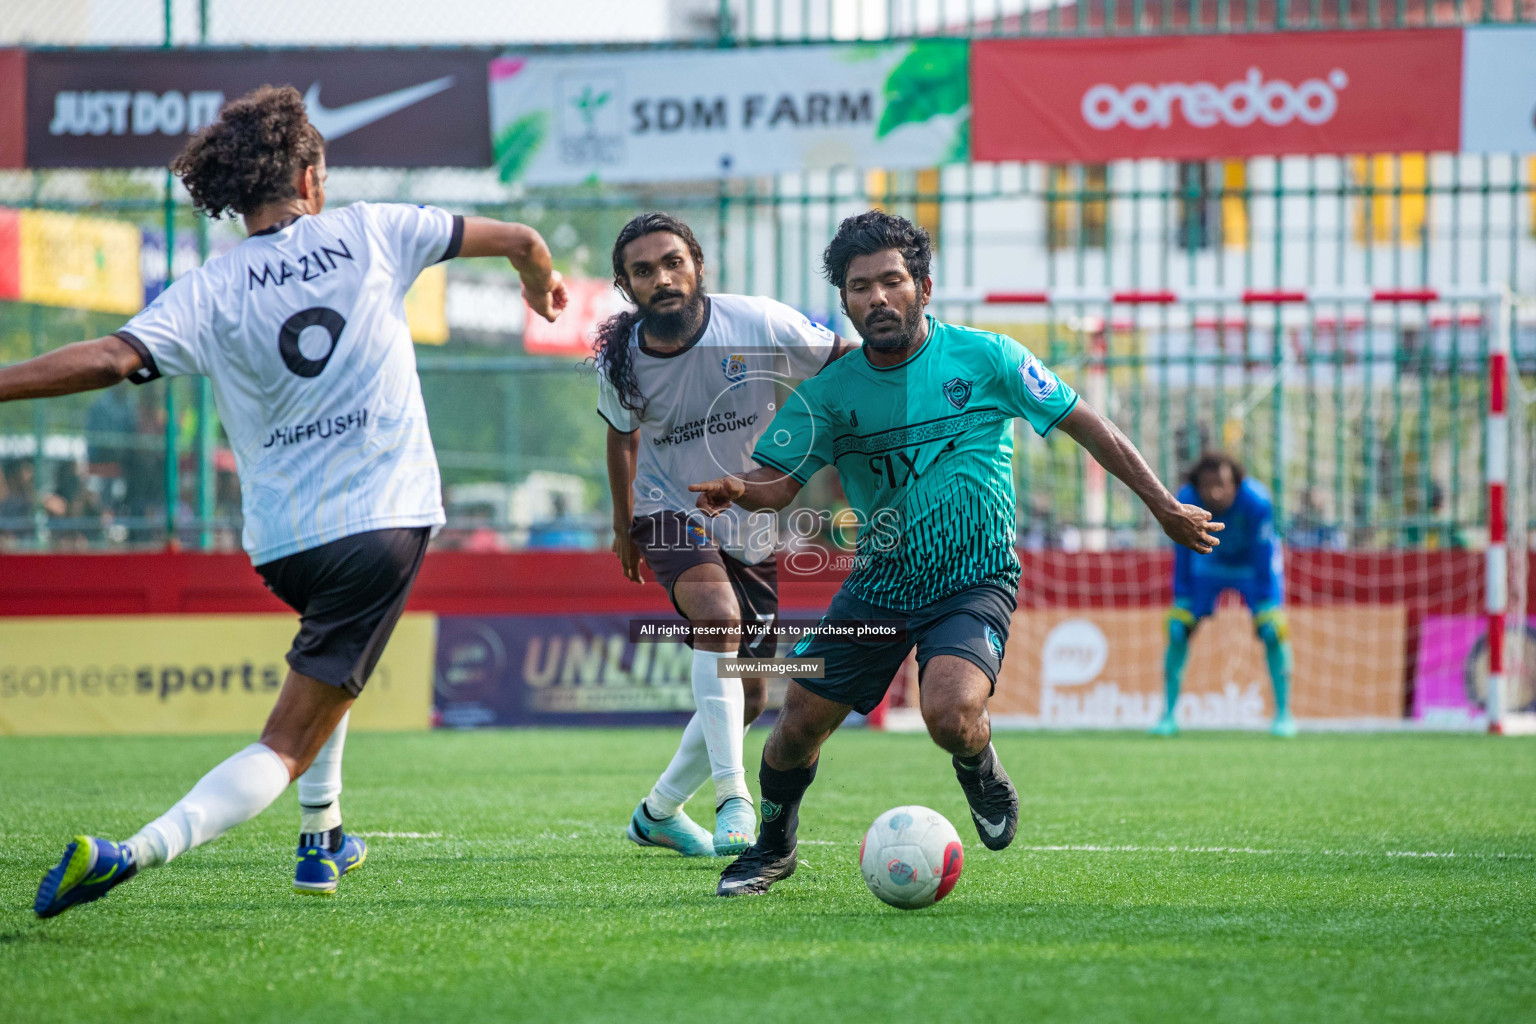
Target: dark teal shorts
x=970, y=624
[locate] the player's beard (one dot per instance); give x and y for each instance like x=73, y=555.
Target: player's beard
x=911, y=324
x=678, y=324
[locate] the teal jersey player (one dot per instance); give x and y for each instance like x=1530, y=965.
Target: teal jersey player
x=924, y=450
x=918, y=425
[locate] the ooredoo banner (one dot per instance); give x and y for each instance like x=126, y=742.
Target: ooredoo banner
x=680, y=115
x=86, y=675
x=1202, y=97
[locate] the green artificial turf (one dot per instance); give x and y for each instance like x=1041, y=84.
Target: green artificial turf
x=1213, y=877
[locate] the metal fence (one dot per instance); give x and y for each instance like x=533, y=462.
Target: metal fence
x=698, y=22
x=1366, y=420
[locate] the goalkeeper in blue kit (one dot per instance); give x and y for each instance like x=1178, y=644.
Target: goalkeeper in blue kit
x=1248, y=561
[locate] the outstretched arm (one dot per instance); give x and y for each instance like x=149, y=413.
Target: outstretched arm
x=622, y=454
x=543, y=288
x=1189, y=525
x=762, y=490
x=83, y=366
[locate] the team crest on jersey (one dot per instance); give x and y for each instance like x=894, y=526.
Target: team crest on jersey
x=697, y=533
x=958, y=391
x=1042, y=383
x=735, y=369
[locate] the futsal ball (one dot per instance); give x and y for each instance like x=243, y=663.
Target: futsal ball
x=911, y=857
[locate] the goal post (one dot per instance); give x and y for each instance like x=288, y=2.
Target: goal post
x=1511, y=700
x=1369, y=416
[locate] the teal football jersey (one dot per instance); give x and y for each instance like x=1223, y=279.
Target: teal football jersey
x=924, y=451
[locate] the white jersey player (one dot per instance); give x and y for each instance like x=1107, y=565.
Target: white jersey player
x=302, y=330
x=688, y=385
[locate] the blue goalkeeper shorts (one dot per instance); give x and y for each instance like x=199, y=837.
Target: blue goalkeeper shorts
x=1202, y=601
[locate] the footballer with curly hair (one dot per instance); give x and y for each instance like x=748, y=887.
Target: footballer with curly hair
x=301, y=328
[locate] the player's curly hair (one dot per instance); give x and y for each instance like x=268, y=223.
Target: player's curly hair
x=876, y=231
x=248, y=156
x=1211, y=461
x=610, y=349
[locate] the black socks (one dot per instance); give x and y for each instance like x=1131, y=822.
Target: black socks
x=781, y=794
x=329, y=840
x=973, y=761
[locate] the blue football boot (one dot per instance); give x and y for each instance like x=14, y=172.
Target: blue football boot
x=89, y=868
x=679, y=832
x=319, y=870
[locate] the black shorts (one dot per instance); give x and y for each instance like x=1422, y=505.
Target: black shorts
x=971, y=624
x=349, y=594
x=671, y=545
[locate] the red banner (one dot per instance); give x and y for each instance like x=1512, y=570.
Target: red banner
x=591, y=302
x=1200, y=97
x=13, y=108
x=10, y=255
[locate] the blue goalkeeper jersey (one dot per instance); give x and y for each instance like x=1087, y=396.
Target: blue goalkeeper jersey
x=1247, y=559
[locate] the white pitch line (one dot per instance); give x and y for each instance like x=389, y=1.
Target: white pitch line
x=1253, y=851
x=1250, y=850
x=1093, y=848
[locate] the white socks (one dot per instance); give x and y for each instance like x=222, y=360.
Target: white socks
x=721, y=710
x=235, y=791
x=320, y=786
x=684, y=776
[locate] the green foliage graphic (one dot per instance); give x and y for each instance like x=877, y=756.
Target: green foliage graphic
x=931, y=80
x=516, y=144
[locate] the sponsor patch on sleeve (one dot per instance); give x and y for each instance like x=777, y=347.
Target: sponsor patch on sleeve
x=1042, y=383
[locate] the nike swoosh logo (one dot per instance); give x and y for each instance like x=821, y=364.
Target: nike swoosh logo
x=992, y=830
x=334, y=122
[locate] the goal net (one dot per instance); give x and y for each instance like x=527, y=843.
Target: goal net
x=1366, y=417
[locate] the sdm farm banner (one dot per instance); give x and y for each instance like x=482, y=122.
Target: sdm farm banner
x=664, y=116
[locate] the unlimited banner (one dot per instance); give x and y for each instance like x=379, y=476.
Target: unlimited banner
x=624, y=117
x=1206, y=97
x=88, y=675
x=565, y=670
x=1103, y=668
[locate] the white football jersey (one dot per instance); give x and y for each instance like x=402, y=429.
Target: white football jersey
x=707, y=404
x=302, y=331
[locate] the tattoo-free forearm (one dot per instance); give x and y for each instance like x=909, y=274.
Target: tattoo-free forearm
x=621, y=477
x=518, y=243
x=83, y=366
x=768, y=490
x=1114, y=451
